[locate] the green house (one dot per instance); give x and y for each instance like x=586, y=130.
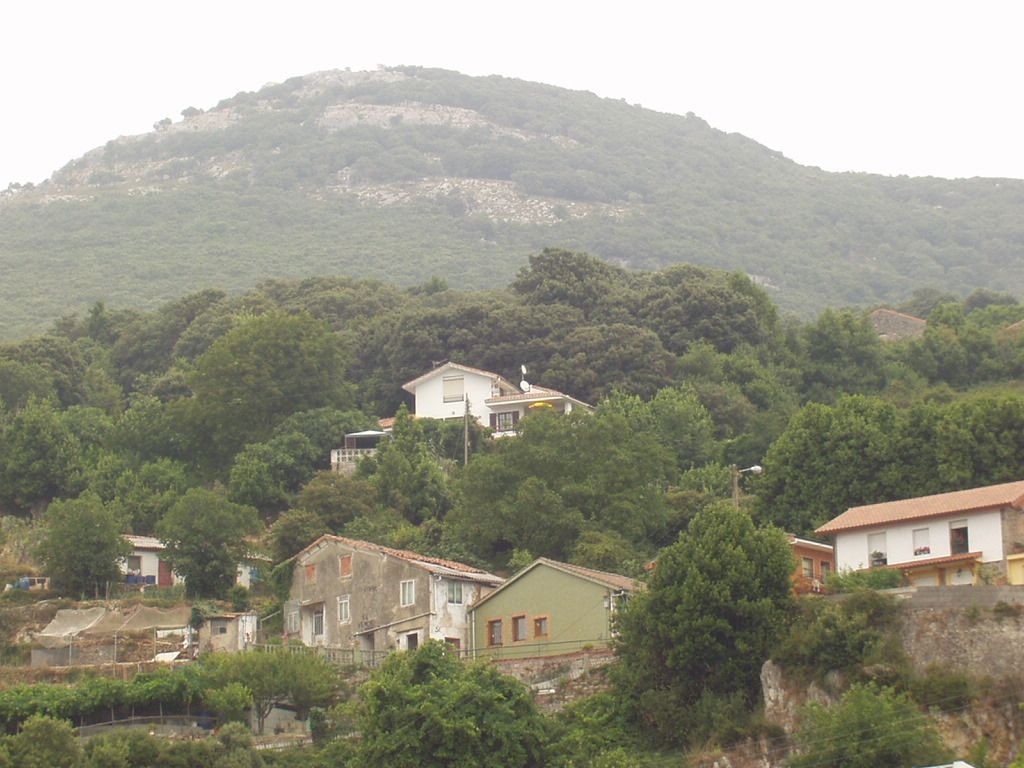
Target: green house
x=548, y=608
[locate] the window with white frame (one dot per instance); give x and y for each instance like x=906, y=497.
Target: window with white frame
x=408, y=593
x=344, y=610
x=453, y=388
x=455, y=592
x=922, y=545
x=506, y=421
x=293, y=621
x=877, y=552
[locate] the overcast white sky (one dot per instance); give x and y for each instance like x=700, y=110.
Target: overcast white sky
x=895, y=87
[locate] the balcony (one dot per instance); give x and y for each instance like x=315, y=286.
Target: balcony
x=345, y=459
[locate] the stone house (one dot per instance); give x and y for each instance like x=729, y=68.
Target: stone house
x=356, y=595
x=548, y=608
x=943, y=539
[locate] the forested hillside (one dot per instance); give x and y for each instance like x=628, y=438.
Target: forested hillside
x=208, y=423
x=410, y=173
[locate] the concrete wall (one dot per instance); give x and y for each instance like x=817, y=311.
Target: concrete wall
x=985, y=532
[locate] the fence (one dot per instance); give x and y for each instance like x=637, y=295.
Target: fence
x=341, y=657
x=354, y=657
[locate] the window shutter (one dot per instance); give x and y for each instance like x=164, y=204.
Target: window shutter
x=494, y=421
x=515, y=417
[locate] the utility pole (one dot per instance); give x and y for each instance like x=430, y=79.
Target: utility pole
x=465, y=435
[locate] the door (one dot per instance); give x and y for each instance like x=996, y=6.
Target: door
x=164, y=576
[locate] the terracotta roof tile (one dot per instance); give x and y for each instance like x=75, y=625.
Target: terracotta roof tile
x=933, y=561
x=609, y=579
x=434, y=564
x=956, y=502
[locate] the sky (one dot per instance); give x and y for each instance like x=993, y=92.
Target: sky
x=905, y=87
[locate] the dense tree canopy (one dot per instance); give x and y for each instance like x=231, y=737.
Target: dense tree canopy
x=693, y=643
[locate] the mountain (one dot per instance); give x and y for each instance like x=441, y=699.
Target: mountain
x=409, y=173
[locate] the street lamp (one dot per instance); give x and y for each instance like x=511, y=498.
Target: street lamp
x=736, y=472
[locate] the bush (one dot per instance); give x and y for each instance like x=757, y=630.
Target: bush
x=876, y=578
x=844, y=636
x=869, y=727
x=942, y=689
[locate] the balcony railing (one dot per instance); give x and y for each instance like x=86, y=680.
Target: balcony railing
x=345, y=459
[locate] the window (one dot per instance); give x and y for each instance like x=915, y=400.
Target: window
x=959, y=542
x=135, y=564
x=408, y=593
x=505, y=421
x=826, y=569
x=494, y=632
x=876, y=549
x=807, y=567
x=518, y=628
x=344, y=610
x=222, y=629
x=412, y=641
x=345, y=565
x=921, y=543
x=540, y=626
x=318, y=622
x=453, y=643
x=452, y=388
x=293, y=621
x=310, y=573
x=455, y=592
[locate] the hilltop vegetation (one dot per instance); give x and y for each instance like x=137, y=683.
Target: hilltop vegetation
x=211, y=419
x=409, y=173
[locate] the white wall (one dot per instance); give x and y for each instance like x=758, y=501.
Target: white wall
x=984, y=531
x=430, y=397
x=451, y=619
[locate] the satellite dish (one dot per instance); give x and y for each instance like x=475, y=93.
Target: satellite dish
x=524, y=384
x=523, y=369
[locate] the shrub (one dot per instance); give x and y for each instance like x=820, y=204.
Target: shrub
x=875, y=578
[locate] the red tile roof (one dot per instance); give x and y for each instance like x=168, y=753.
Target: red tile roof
x=933, y=561
x=434, y=564
x=956, y=502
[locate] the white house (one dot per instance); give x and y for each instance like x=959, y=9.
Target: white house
x=145, y=565
x=936, y=540
x=449, y=390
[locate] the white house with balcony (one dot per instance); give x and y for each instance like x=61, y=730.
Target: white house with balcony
x=943, y=539
x=451, y=390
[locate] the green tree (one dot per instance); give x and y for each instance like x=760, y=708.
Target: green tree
x=842, y=354
x=301, y=680
x=427, y=709
x=337, y=498
x=293, y=531
x=204, y=534
x=406, y=473
x=45, y=742
x=40, y=456
x=869, y=727
x=263, y=370
x=82, y=545
x=691, y=646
